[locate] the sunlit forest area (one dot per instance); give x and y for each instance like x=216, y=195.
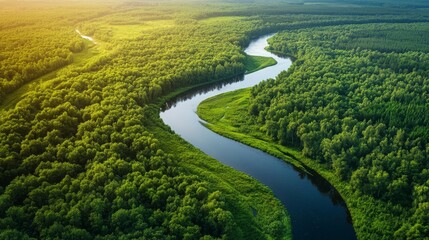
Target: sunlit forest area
x=84, y=154
x=362, y=112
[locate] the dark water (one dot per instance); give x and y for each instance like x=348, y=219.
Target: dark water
x=316, y=209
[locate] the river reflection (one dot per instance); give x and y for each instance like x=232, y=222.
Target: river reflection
x=199, y=91
x=317, y=210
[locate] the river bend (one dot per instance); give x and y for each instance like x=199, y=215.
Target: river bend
x=317, y=211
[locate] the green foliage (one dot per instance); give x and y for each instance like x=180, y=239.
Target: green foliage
x=84, y=155
x=255, y=63
x=360, y=112
x=29, y=51
x=387, y=38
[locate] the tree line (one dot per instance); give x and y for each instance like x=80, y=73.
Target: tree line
x=359, y=110
x=82, y=156
x=78, y=156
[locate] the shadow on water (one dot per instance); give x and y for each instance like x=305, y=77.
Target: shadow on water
x=324, y=187
x=316, y=208
x=199, y=91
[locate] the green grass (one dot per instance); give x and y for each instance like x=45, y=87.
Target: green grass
x=256, y=63
x=254, y=196
x=225, y=112
x=226, y=115
x=79, y=59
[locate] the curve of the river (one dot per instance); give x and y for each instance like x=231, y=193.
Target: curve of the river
x=316, y=209
x=85, y=37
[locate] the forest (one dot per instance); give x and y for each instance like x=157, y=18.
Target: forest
x=84, y=154
x=368, y=124
x=354, y=107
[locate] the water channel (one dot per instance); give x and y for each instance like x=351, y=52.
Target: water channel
x=316, y=209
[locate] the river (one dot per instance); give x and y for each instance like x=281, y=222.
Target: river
x=317, y=211
x=85, y=37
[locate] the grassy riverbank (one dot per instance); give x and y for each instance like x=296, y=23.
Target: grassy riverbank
x=162, y=187
x=226, y=114
x=256, y=63
x=256, y=207
x=83, y=151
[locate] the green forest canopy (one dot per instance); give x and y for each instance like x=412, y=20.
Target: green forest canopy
x=84, y=155
x=359, y=107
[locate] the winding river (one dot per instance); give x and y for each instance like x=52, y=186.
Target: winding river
x=316, y=209
x=85, y=37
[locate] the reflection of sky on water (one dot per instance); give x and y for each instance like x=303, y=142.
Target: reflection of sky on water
x=317, y=210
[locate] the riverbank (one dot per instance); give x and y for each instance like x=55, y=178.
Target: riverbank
x=316, y=210
x=256, y=63
x=251, y=64
x=258, y=205
x=225, y=115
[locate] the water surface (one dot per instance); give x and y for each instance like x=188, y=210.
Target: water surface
x=316, y=209
x=85, y=37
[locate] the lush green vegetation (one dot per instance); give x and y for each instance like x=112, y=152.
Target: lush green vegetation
x=28, y=51
x=226, y=114
x=358, y=116
x=78, y=59
x=83, y=153
x=389, y=38
x=255, y=63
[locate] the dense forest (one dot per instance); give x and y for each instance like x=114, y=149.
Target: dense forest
x=357, y=100
x=80, y=157
x=84, y=155
x=29, y=51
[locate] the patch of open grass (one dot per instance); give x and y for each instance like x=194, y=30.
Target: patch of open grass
x=226, y=115
x=256, y=63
